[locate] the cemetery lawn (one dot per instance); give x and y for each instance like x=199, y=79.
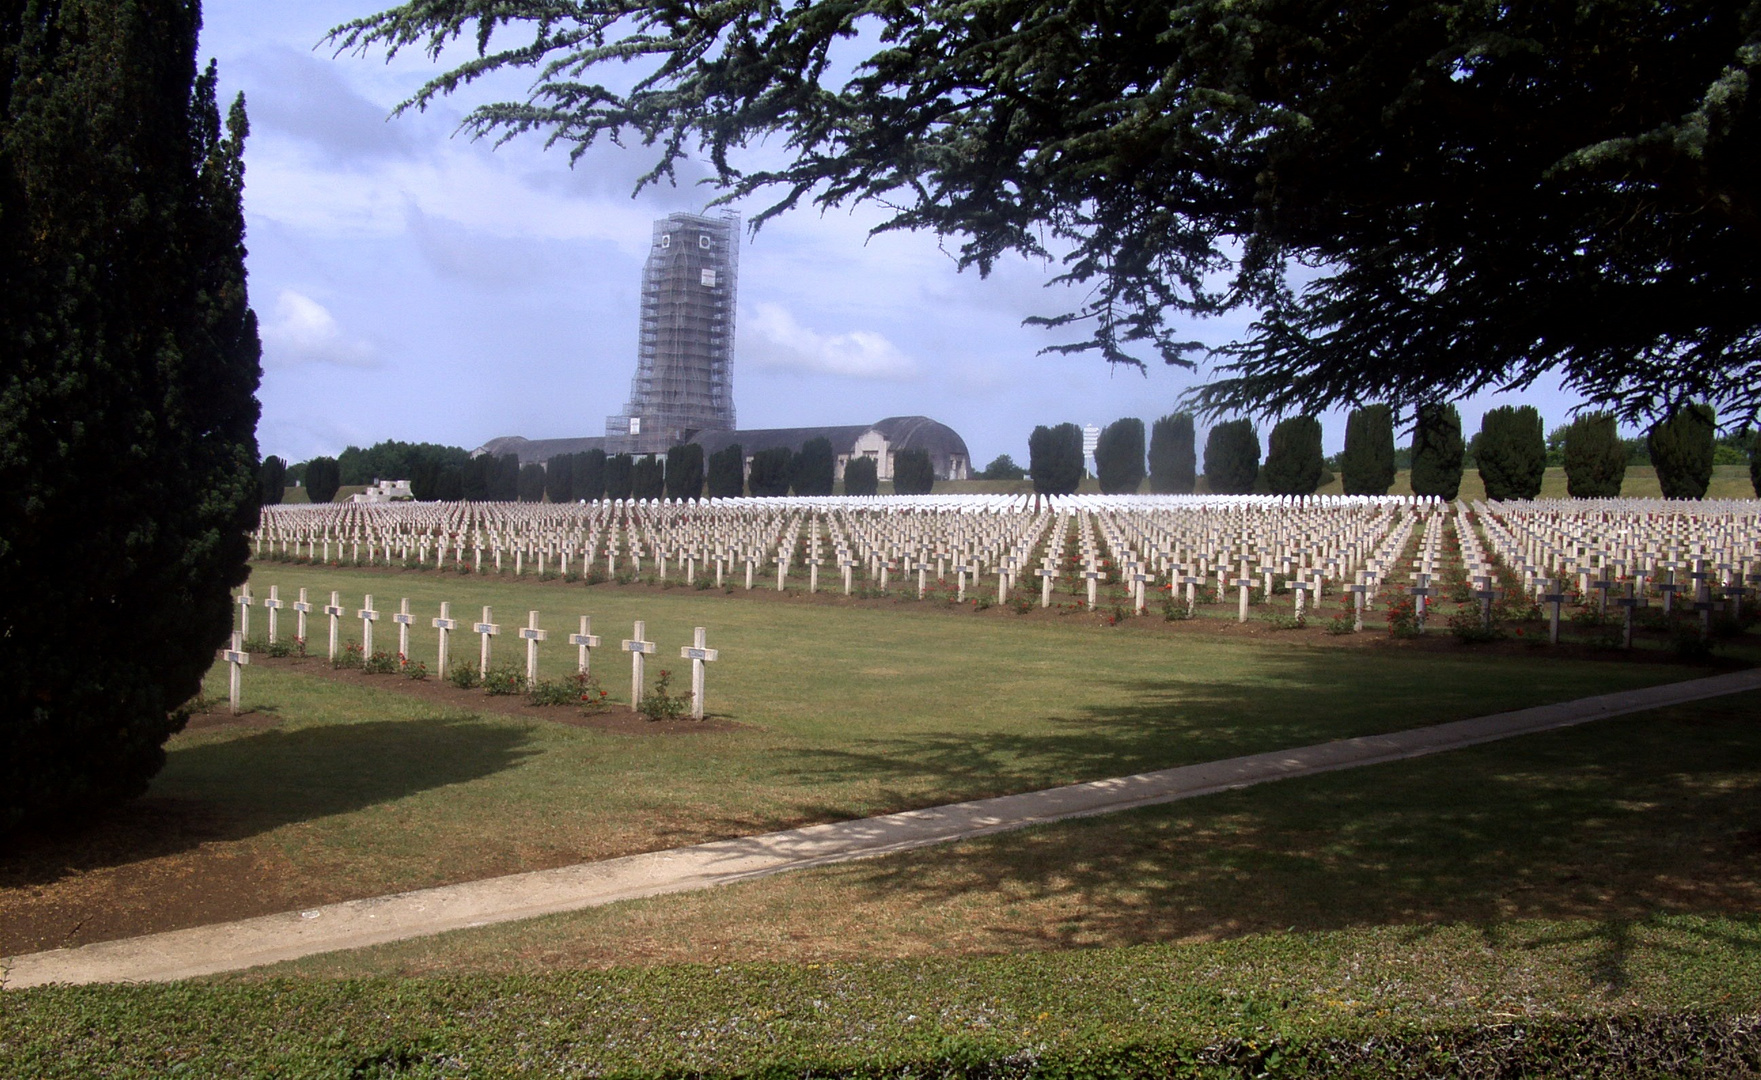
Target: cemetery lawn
x=331, y=791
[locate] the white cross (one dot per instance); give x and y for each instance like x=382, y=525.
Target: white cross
x=273, y=607
x=302, y=608
x=533, y=636
x=368, y=618
x=488, y=630
x=404, y=619
x=334, y=610
x=699, y=655
x=244, y=609
x=585, y=640
x=237, y=658
x=445, y=624
x=637, y=648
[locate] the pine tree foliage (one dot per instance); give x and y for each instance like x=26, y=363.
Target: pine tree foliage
x=1003, y=467
x=590, y=482
x=1119, y=456
x=1294, y=460
x=323, y=478
x=1511, y=454
x=813, y=471
x=648, y=478
x=684, y=472
x=1595, y=457
x=770, y=475
x=618, y=476
x=1437, y=451
x=1366, y=466
x=861, y=477
x=1232, y=458
x=128, y=459
x=913, y=473
x=531, y=482
x=1681, y=450
x=1173, y=455
x=271, y=480
x=727, y=473
x=1054, y=456
x=1499, y=191
x=1755, y=463
x=559, y=478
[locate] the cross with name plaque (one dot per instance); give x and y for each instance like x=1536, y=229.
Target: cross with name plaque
x=236, y=658
x=335, y=611
x=586, y=640
x=302, y=607
x=699, y=654
x=404, y=619
x=368, y=618
x=446, y=624
x=532, y=636
x=637, y=648
x=273, y=607
x=244, y=609
x=485, y=630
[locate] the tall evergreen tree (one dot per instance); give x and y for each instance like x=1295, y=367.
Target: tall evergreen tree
x=1293, y=457
x=1681, y=449
x=1595, y=457
x=1003, y=467
x=531, y=482
x=1366, y=467
x=1173, y=455
x=618, y=476
x=1119, y=456
x=590, y=483
x=727, y=473
x=813, y=469
x=913, y=473
x=272, y=480
x=477, y=478
x=559, y=478
x=1755, y=463
x=1511, y=454
x=1054, y=459
x=861, y=477
x=449, y=483
x=684, y=472
x=770, y=472
x=1232, y=458
x=323, y=478
x=128, y=459
x=504, y=478
x=1437, y=451
x=648, y=478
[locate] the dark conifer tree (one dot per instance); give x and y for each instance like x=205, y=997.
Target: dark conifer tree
x=531, y=482
x=861, y=477
x=477, y=478
x=1366, y=467
x=1003, y=467
x=1294, y=461
x=1681, y=449
x=913, y=473
x=648, y=478
x=590, y=475
x=1511, y=453
x=323, y=478
x=272, y=480
x=449, y=483
x=1755, y=463
x=128, y=365
x=1173, y=455
x=1437, y=452
x=1054, y=456
x=684, y=472
x=1119, y=456
x=1595, y=457
x=559, y=478
x=618, y=476
x=814, y=468
x=504, y=478
x=770, y=472
x=1232, y=458
x=727, y=473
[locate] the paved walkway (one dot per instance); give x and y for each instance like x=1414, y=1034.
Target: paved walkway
x=205, y=950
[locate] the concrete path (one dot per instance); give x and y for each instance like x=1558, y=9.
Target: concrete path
x=205, y=950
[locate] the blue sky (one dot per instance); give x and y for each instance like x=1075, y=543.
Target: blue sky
x=413, y=284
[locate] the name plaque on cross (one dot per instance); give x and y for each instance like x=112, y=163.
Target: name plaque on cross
x=638, y=649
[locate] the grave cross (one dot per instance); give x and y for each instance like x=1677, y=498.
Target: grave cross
x=236, y=657
x=334, y=610
x=404, y=619
x=637, y=648
x=1627, y=603
x=486, y=630
x=533, y=636
x=273, y=607
x=446, y=624
x=1554, y=598
x=1046, y=574
x=698, y=654
x=244, y=609
x=302, y=608
x=585, y=640
x=368, y=618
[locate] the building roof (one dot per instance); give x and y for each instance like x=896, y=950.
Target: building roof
x=537, y=450
x=922, y=433
x=843, y=439
x=901, y=432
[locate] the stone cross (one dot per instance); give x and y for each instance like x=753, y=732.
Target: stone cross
x=533, y=636
x=699, y=655
x=585, y=640
x=1627, y=603
x=273, y=607
x=446, y=624
x=244, y=609
x=485, y=630
x=334, y=610
x=403, y=618
x=1553, y=597
x=1357, y=592
x=637, y=648
x=236, y=657
x=302, y=607
x=1245, y=584
x=368, y=618
x=1046, y=574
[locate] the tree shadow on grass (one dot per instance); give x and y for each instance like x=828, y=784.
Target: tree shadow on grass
x=237, y=788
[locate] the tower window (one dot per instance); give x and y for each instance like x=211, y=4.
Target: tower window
x=666, y=240
x=703, y=241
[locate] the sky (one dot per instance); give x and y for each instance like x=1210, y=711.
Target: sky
x=414, y=284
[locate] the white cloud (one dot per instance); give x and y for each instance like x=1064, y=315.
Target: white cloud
x=302, y=331
x=771, y=338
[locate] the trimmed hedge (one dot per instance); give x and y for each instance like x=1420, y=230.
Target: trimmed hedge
x=913, y=473
x=1294, y=461
x=1119, y=457
x=1173, y=455
x=684, y=471
x=1681, y=449
x=1232, y=458
x=1595, y=457
x=1055, y=459
x=1366, y=466
x=1512, y=452
x=727, y=473
x=1437, y=451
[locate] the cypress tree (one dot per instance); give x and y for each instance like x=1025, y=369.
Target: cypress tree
x=128, y=456
x=531, y=482
x=684, y=472
x=1367, y=465
x=648, y=478
x=813, y=469
x=1173, y=455
x=913, y=473
x=619, y=470
x=559, y=478
x=1054, y=456
x=1119, y=457
x=323, y=478
x=1232, y=458
x=504, y=478
x=1595, y=457
x=1437, y=451
x=727, y=468
x=770, y=472
x=590, y=475
x=1293, y=457
x=475, y=478
x=449, y=483
x=424, y=477
x=861, y=477
x=272, y=480
x=1681, y=450
x=1511, y=454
